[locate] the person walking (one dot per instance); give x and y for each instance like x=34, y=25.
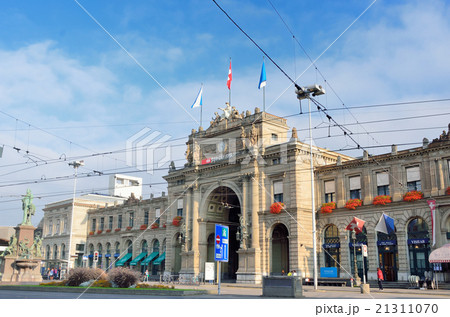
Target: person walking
x=380, y=279
x=146, y=276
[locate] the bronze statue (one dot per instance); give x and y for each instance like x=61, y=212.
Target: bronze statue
x=28, y=208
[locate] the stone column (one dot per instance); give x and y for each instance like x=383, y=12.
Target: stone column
x=340, y=191
x=402, y=247
x=195, y=227
x=187, y=208
x=254, y=192
x=397, y=189
x=366, y=182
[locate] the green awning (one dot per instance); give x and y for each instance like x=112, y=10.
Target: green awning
x=124, y=259
x=138, y=258
x=160, y=259
x=148, y=259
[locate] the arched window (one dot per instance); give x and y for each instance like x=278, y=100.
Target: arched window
x=117, y=249
x=331, y=247
x=47, y=253
x=129, y=246
x=63, y=251
x=418, y=247
x=144, y=246
x=156, y=246
x=55, y=251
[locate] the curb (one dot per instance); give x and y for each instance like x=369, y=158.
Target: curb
x=123, y=291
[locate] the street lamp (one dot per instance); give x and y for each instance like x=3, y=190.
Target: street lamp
x=75, y=165
x=305, y=93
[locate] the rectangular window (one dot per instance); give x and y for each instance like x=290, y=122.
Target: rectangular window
x=274, y=137
x=276, y=161
x=119, y=222
x=79, y=247
x=330, y=191
x=65, y=225
x=93, y=225
x=102, y=223
x=58, y=226
x=146, y=217
x=131, y=220
x=413, y=178
x=278, y=191
x=355, y=187
x=180, y=207
x=110, y=222
x=50, y=227
x=157, y=215
x=383, y=183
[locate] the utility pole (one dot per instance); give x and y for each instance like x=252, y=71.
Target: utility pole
x=75, y=165
x=305, y=93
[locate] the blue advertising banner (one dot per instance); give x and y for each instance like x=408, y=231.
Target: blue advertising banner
x=222, y=243
x=331, y=245
x=387, y=242
x=419, y=241
x=328, y=272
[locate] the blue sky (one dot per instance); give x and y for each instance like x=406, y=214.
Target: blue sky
x=61, y=72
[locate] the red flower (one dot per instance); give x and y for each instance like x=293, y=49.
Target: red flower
x=129, y=228
x=117, y=229
x=413, y=196
x=108, y=230
x=382, y=200
x=177, y=221
x=143, y=227
x=99, y=231
x=91, y=233
x=447, y=192
x=155, y=225
x=328, y=207
x=353, y=203
x=276, y=208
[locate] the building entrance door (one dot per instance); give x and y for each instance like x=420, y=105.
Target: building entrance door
x=280, y=250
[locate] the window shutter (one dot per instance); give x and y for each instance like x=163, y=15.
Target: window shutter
x=277, y=188
x=382, y=179
x=355, y=183
x=413, y=174
x=330, y=187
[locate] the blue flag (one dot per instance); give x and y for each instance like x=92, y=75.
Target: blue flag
x=199, y=100
x=262, y=78
x=385, y=225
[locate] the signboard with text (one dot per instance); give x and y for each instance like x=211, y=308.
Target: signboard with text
x=221, y=243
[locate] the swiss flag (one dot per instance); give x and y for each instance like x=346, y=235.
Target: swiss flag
x=230, y=77
x=356, y=224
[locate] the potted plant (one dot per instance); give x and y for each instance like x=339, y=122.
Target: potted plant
x=276, y=208
x=382, y=200
x=413, y=195
x=155, y=225
x=353, y=203
x=117, y=229
x=108, y=230
x=177, y=221
x=99, y=231
x=91, y=233
x=328, y=207
x=143, y=227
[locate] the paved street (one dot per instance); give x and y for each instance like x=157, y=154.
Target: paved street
x=234, y=291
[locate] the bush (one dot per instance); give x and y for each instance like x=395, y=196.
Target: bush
x=55, y=283
x=144, y=285
x=101, y=283
x=123, y=277
x=83, y=274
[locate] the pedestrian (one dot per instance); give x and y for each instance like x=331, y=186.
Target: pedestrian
x=146, y=276
x=380, y=279
x=50, y=274
x=290, y=273
x=282, y=272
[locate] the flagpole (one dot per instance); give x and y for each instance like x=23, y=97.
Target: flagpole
x=264, y=94
x=229, y=90
x=201, y=107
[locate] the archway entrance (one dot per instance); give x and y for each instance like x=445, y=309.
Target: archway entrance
x=388, y=255
x=280, y=250
x=224, y=208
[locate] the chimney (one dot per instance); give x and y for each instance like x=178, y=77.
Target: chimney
x=339, y=161
x=365, y=155
x=425, y=143
x=394, y=149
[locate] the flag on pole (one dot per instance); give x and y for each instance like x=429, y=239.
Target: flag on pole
x=199, y=100
x=356, y=224
x=230, y=77
x=432, y=205
x=262, y=78
x=385, y=224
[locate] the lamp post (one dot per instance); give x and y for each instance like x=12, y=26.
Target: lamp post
x=305, y=93
x=357, y=278
x=75, y=165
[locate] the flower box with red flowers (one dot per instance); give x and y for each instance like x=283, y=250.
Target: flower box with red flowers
x=117, y=229
x=129, y=228
x=91, y=233
x=382, y=200
x=447, y=192
x=276, y=208
x=413, y=195
x=177, y=221
x=164, y=225
x=108, y=230
x=328, y=207
x=99, y=231
x=353, y=203
x=143, y=227
x=155, y=225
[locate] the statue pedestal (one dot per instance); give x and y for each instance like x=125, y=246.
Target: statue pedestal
x=249, y=271
x=25, y=232
x=20, y=270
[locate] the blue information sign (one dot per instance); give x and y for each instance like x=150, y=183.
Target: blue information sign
x=221, y=243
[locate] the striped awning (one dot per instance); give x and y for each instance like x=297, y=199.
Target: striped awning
x=440, y=255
